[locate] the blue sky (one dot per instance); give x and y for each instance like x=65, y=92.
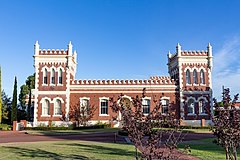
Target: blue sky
x=127, y=39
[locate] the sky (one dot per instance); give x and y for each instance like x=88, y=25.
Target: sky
x=120, y=39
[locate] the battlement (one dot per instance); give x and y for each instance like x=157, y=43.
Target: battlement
x=194, y=53
x=53, y=52
x=161, y=81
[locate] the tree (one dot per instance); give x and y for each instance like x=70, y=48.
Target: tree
x=30, y=82
x=153, y=144
x=14, y=102
x=226, y=124
x=26, y=89
x=1, y=108
x=81, y=113
x=6, y=106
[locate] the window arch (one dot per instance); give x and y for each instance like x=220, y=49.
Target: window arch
x=195, y=77
x=188, y=77
x=191, y=106
x=60, y=81
x=202, y=106
x=45, y=76
x=46, y=107
x=58, y=107
x=53, y=76
x=202, y=77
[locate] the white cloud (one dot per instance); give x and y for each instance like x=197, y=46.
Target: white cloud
x=226, y=69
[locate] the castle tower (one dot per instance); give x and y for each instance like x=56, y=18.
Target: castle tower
x=54, y=70
x=193, y=71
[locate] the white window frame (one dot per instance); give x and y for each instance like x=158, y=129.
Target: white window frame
x=45, y=74
x=43, y=102
x=100, y=100
x=193, y=108
x=195, y=76
x=165, y=98
x=55, y=104
x=82, y=99
x=147, y=99
x=53, y=76
x=188, y=77
x=202, y=77
x=205, y=101
x=60, y=75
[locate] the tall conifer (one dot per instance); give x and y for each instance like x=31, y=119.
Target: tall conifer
x=14, y=102
x=1, y=109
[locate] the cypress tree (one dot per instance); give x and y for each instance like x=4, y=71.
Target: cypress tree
x=14, y=102
x=1, y=109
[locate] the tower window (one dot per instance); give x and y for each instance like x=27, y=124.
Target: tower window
x=202, y=77
x=53, y=77
x=195, y=77
x=188, y=77
x=45, y=75
x=60, y=76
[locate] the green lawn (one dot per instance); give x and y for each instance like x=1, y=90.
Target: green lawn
x=82, y=131
x=64, y=150
x=206, y=150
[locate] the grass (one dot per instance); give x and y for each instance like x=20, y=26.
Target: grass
x=205, y=149
x=82, y=131
x=201, y=130
x=66, y=150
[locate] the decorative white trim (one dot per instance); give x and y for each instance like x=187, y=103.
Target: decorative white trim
x=168, y=98
x=45, y=116
x=127, y=97
x=46, y=98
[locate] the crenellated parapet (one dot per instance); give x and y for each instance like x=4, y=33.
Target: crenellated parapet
x=160, y=81
x=194, y=53
x=53, y=52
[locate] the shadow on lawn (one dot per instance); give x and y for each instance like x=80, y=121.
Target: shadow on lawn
x=104, y=150
x=38, y=153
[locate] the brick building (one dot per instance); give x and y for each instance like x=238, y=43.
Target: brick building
x=188, y=88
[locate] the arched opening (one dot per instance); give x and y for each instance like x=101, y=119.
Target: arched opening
x=188, y=77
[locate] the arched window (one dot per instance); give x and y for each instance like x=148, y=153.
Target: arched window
x=60, y=76
x=58, y=107
x=195, y=77
x=188, y=77
x=146, y=106
x=202, y=106
x=202, y=77
x=191, y=106
x=53, y=76
x=46, y=107
x=165, y=103
x=45, y=75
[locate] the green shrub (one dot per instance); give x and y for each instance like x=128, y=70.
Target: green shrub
x=43, y=127
x=5, y=127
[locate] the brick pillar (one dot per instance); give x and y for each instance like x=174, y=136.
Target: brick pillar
x=14, y=125
x=203, y=122
x=24, y=122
